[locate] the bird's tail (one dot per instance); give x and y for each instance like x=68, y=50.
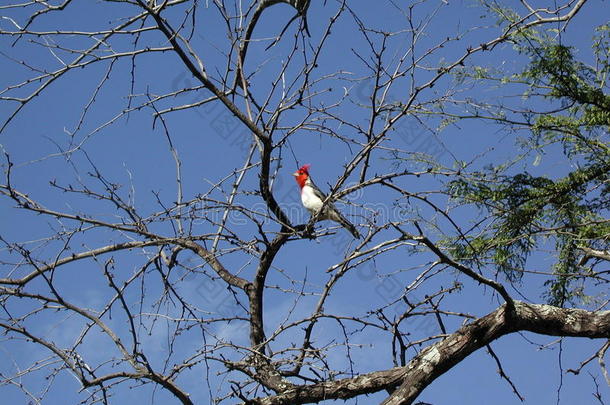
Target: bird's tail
x=349, y=226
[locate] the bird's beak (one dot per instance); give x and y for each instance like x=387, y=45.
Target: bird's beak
x=295, y=174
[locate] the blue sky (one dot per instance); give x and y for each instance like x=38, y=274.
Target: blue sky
x=211, y=143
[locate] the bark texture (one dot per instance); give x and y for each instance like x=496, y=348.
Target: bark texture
x=438, y=358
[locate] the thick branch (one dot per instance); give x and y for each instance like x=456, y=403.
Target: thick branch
x=435, y=360
x=598, y=254
x=218, y=267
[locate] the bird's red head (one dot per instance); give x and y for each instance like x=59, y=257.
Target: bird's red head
x=302, y=175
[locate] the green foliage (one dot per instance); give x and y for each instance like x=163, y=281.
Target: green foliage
x=524, y=212
x=553, y=67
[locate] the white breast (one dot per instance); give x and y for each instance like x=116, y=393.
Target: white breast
x=310, y=200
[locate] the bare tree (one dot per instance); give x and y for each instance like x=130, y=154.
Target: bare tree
x=119, y=282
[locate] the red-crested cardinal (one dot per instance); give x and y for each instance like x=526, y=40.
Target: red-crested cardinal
x=313, y=199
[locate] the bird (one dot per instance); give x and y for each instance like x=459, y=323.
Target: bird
x=313, y=199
